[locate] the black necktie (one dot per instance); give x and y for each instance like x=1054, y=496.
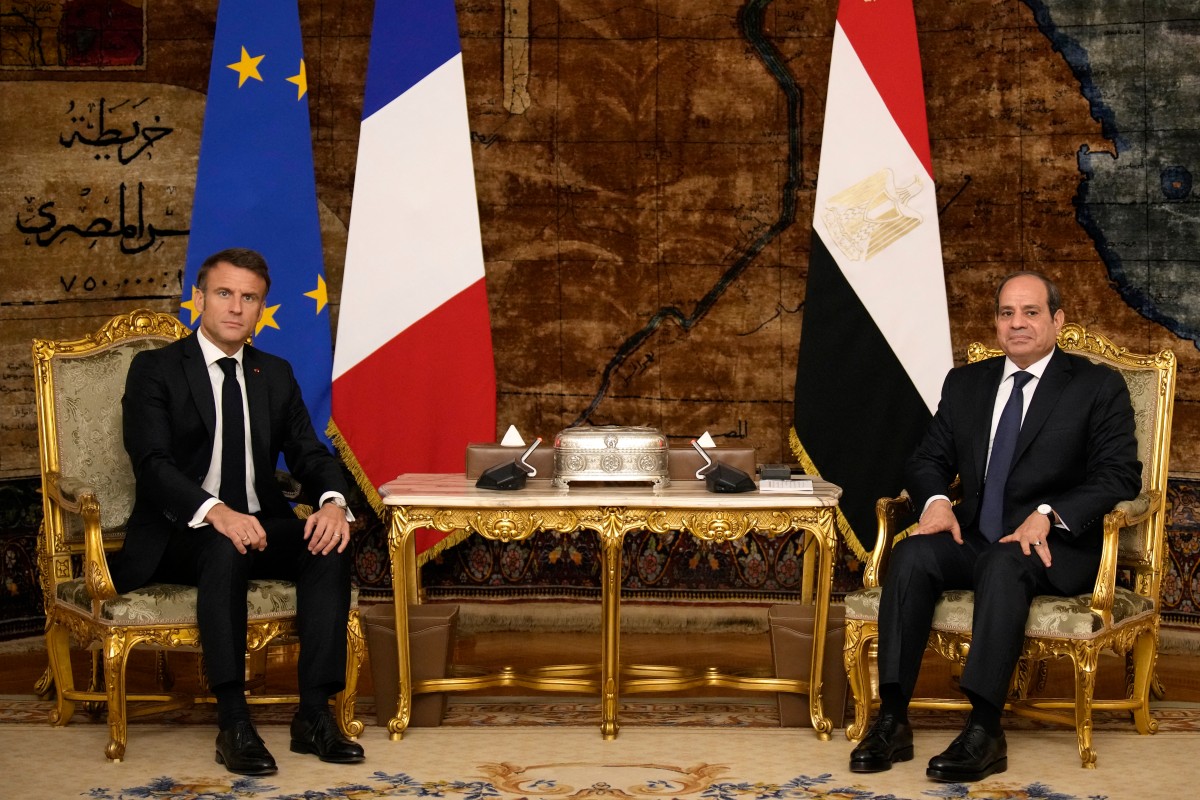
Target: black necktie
x=233, y=440
x=991, y=513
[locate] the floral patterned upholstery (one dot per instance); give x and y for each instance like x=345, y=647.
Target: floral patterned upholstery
x=1059, y=617
x=1143, y=394
x=87, y=408
x=174, y=604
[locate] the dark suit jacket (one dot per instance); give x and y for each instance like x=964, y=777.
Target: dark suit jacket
x=1077, y=451
x=169, y=422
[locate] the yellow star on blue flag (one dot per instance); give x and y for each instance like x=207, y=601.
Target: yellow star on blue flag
x=255, y=185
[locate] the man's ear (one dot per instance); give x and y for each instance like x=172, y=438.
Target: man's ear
x=198, y=299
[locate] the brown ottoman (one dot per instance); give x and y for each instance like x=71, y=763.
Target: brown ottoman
x=791, y=650
x=430, y=643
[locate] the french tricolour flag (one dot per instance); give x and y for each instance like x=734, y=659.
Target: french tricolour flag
x=413, y=375
x=875, y=340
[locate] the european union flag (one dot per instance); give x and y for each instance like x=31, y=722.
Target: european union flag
x=255, y=186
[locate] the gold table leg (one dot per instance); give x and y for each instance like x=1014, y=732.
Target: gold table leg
x=824, y=536
x=610, y=621
x=403, y=583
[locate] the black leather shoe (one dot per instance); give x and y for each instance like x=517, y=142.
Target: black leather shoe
x=889, y=740
x=320, y=735
x=241, y=750
x=972, y=756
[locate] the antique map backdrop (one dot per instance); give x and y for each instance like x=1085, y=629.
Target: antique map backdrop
x=645, y=173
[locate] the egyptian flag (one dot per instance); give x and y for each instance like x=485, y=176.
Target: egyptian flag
x=413, y=375
x=875, y=340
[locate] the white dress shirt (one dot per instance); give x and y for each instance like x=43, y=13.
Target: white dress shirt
x=1036, y=369
x=212, y=479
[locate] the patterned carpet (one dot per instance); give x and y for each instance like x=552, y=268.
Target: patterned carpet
x=175, y=762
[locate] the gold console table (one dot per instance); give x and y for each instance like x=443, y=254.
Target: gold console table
x=452, y=503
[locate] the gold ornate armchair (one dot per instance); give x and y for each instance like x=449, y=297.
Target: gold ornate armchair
x=1120, y=615
x=87, y=491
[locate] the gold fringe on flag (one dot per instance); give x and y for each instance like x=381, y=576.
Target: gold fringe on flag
x=360, y=476
x=376, y=502
x=841, y=523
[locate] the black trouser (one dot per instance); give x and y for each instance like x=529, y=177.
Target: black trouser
x=206, y=559
x=1004, y=580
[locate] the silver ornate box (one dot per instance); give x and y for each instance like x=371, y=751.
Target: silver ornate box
x=610, y=453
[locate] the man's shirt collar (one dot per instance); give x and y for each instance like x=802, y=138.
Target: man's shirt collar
x=212, y=353
x=1035, y=369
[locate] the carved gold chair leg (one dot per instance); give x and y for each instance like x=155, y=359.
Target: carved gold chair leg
x=348, y=697
x=1155, y=685
x=116, y=655
x=163, y=675
x=256, y=669
x=201, y=674
x=95, y=682
x=1144, y=657
x=43, y=687
x=1029, y=678
x=1018, y=688
x=856, y=655
x=1085, y=686
x=1157, y=688
x=58, y=650
x=95, y=708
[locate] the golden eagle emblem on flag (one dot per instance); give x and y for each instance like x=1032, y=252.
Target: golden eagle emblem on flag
x=872, y=214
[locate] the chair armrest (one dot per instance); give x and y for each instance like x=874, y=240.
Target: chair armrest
x=76, y=496
x=889, y=512
x=291, y=488
x=293, y=492
x=1123, y=515
x=1139, y=509
x=66, y=492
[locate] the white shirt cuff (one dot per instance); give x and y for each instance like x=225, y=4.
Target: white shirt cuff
x=931, y=499
x=197, y=520
x=341, y=502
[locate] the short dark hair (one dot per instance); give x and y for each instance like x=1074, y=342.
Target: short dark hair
x=241, y=257
x=1053, y=296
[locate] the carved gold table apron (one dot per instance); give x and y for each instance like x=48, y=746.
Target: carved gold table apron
x=452, y=503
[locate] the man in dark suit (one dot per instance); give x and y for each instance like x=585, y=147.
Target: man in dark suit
x=205, y=421
x=1054, y=435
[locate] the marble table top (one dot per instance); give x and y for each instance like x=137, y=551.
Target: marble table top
x=455, y=491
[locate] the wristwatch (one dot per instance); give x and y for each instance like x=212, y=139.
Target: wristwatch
x=340, y=503
x=1045, y=508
